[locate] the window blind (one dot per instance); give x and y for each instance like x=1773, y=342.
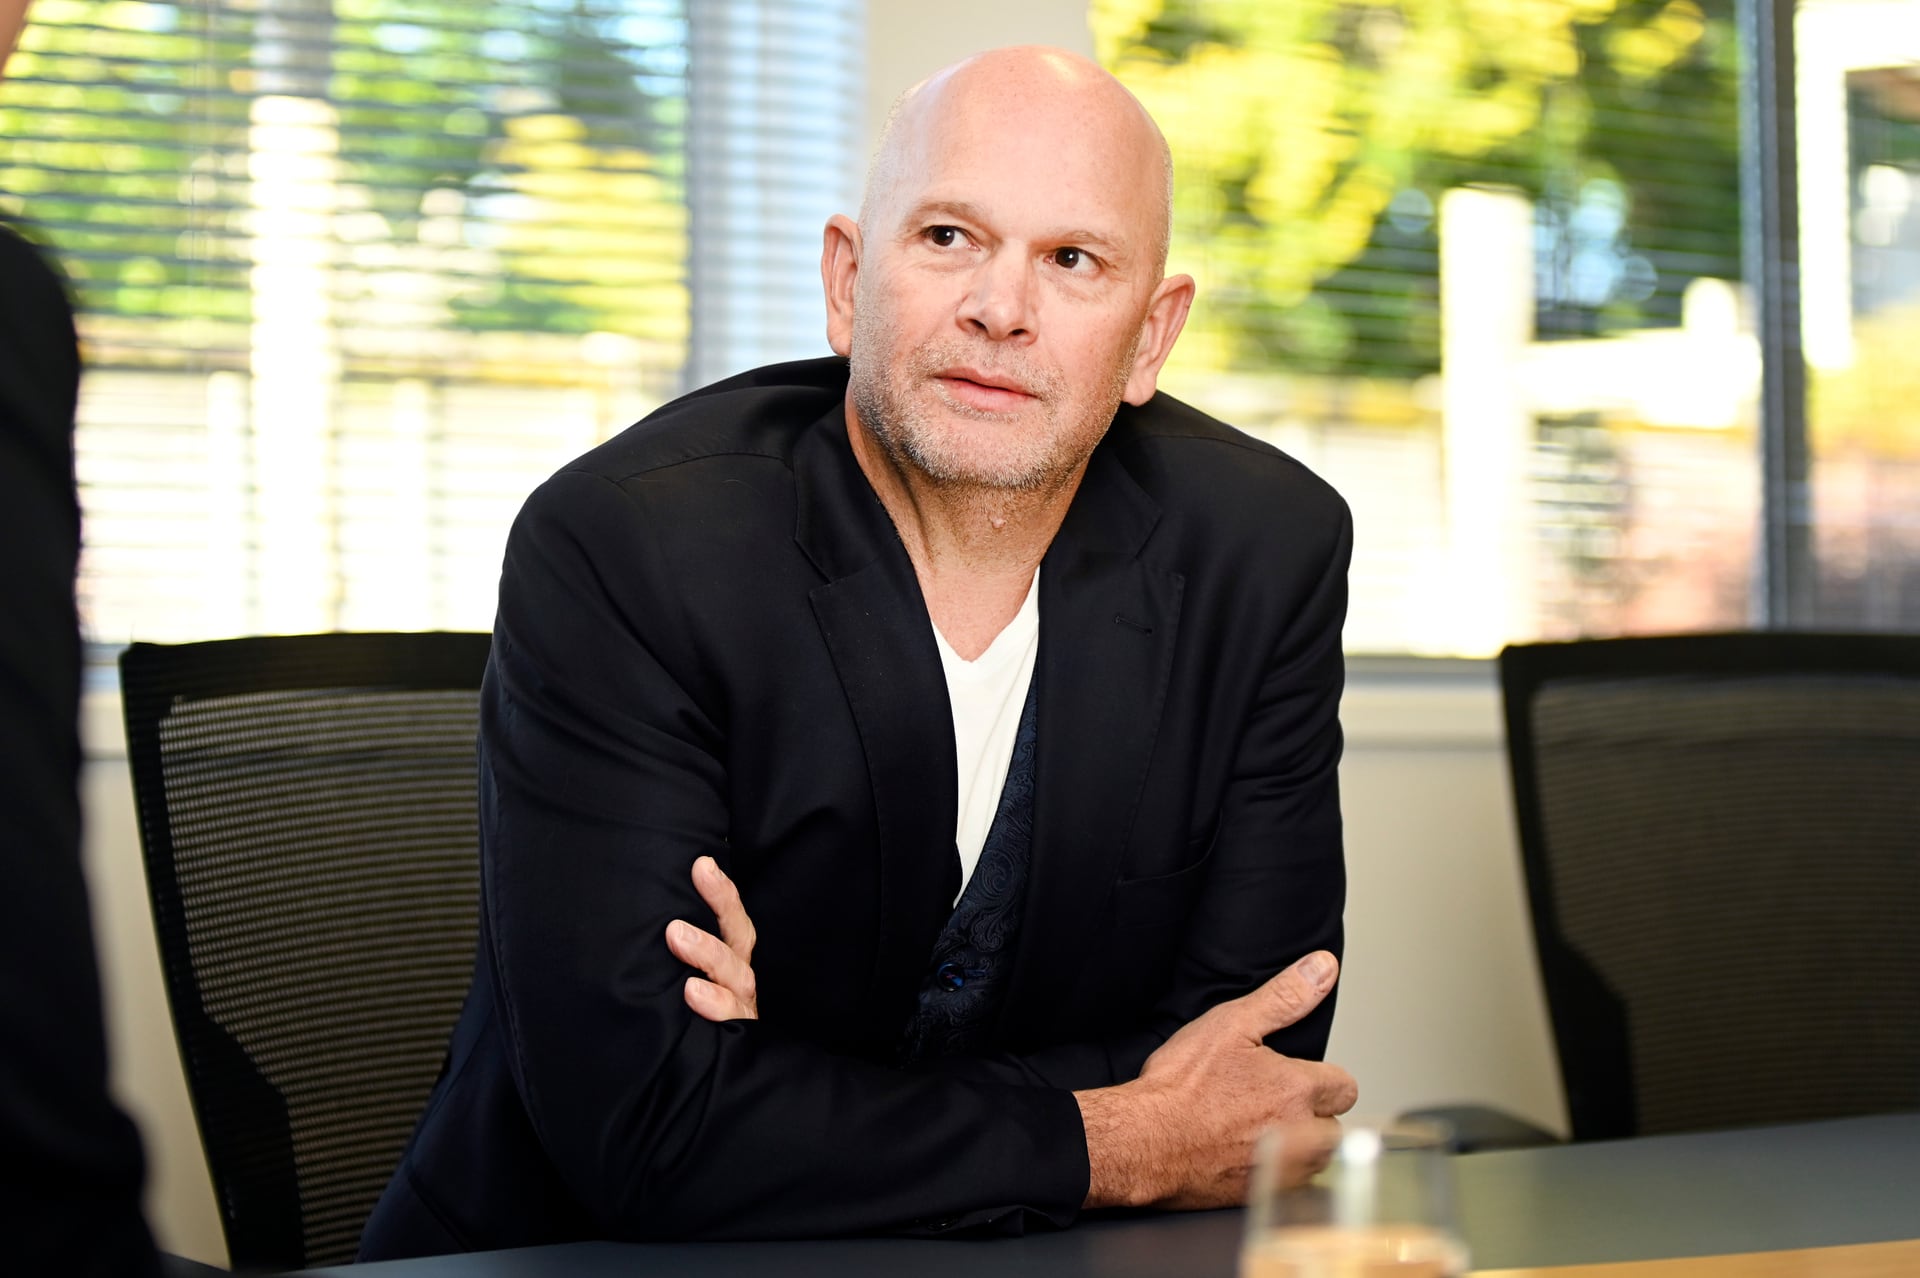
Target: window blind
x=355, y=275
x=1478, y=264
x=1858, y=96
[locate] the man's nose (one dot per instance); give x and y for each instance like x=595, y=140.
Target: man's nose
x=1000, y=298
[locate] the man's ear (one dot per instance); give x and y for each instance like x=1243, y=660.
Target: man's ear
x=839, y=269
x=1166, y=316
x=13, y=17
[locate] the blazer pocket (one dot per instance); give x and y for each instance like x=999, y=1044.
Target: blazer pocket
x=1164, y=900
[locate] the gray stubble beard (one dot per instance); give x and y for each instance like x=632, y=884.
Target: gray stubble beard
x=881, y=397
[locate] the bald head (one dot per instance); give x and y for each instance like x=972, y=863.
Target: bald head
x=1004, y=290
x=1032, y=93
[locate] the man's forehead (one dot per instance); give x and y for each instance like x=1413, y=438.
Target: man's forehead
x=966, y=157
x=1088, y=115
x=1038, y=135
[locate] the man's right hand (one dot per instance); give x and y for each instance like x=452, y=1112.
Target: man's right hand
x=1181, y=1135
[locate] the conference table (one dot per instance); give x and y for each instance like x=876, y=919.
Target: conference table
x=1838, y=1198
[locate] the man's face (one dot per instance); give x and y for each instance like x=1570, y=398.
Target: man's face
x=1003, y=278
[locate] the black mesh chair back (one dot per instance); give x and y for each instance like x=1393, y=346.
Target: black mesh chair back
x=308, y=812
x=1722, y=844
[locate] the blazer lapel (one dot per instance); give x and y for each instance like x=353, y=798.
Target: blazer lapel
x=1108, y=622
x=874, y=622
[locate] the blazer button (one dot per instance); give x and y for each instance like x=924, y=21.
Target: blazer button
x=950, y=975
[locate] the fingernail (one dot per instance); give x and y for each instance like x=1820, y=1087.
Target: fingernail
x=1318, y=967
x=677, y=931
x=705, y=866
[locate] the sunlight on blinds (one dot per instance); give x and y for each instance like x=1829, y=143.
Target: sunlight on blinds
x=355, y=275
x=1477, y=265
x=1859, y=143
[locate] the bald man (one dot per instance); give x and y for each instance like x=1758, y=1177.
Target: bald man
x=908, y=779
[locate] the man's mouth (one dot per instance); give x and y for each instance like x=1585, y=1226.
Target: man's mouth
x=976, y=388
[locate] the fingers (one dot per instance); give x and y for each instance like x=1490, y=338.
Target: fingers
x=1305, y=1148
x=716, y=1002
x=727, y=993
x=1331, y=1089
x=1286, y=998
x=723, y=898
x=726, y=972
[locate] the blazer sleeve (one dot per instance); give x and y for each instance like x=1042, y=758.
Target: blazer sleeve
x=601, y=782
x=72, y=1157
x=1276, y=877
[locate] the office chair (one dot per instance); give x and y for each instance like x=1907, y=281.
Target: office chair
x=307, y=813
x=1721, y=836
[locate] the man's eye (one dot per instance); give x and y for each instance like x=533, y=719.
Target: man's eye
x=944, y=236
x=1071, y=259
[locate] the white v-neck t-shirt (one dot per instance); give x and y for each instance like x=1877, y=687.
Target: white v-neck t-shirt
x=987, y=695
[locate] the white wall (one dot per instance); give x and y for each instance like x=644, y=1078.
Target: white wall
x=1440, y=1000
x=147, y=1074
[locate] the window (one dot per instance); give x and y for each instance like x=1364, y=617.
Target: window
x=1482, y=266
x=355, y=275
x=1858, y=104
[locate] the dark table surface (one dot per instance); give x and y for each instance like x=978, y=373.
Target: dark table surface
x=1759, y=1189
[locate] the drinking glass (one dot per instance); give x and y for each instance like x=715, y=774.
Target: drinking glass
x=1354, y=1200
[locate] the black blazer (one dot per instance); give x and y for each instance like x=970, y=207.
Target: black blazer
x=70, y=1164
x=710, y=639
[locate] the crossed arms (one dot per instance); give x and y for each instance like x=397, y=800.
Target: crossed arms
x=1178, y=1136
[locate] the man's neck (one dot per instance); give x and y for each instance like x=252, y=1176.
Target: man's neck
x=973, y=548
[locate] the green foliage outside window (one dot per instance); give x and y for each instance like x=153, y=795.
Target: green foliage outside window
x=1314, y=139
x=519, y=163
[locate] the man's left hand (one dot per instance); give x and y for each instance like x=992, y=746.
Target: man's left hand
x=727, y=993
